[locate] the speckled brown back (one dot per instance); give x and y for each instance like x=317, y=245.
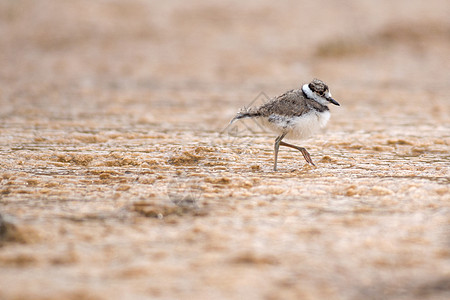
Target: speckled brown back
x=291, y=103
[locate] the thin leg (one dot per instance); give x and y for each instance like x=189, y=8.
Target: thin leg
x=301, y=149
x=277, y=146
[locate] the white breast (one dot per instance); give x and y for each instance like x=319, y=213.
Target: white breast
x=298, y=127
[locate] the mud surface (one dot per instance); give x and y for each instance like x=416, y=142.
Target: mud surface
x=118, y=180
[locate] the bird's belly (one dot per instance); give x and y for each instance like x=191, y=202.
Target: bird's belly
x=298, y=127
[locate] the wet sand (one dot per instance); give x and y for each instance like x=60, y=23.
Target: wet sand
x=119, y=178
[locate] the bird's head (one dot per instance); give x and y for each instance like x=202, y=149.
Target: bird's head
x=318, y=91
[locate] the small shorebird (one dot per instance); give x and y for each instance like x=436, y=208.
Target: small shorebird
x=296, y=114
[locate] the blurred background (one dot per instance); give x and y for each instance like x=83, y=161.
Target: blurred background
x=134, y=56
x=103, y=103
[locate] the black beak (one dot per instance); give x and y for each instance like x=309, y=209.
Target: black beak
x=333, y=101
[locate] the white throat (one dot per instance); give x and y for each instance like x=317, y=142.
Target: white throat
x=311, y=95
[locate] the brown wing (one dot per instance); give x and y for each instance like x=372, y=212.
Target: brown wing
x=291, y=103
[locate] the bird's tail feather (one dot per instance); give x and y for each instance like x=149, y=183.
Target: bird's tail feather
x=245, y=113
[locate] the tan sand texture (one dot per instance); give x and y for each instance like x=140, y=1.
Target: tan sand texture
x=118, y=180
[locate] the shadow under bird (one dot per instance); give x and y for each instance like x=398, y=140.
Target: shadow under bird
x=296, y=114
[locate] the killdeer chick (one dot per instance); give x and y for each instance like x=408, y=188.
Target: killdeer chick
x=296, y=114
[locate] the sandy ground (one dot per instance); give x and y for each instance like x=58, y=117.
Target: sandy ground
x=118, y=180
